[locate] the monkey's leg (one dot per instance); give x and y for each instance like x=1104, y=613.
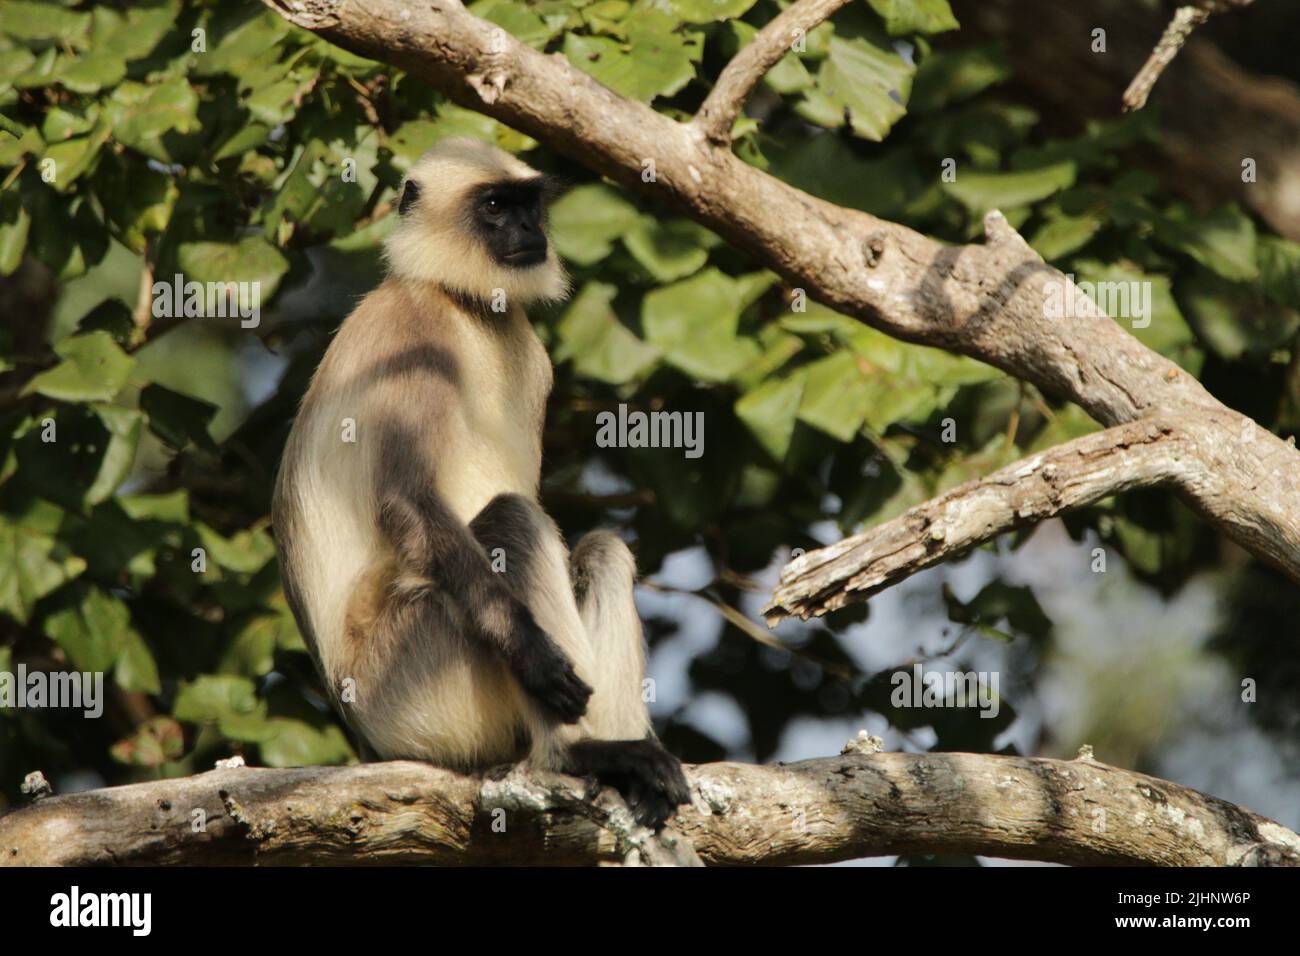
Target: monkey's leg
x=529, y=558
x=604, y=576
x=625, y=751
x=599, y=627
x=435, y=550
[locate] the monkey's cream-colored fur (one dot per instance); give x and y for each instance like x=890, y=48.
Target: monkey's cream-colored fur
x=452, y=398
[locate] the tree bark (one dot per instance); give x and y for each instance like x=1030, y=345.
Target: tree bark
x=816, y=811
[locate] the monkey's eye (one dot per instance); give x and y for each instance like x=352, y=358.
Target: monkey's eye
x=492, y=207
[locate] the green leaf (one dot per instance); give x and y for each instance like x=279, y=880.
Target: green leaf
x=79, y=454
x=904, y=17
x=251, y=259
x=980, y=192
x=252, y=652
x=133, y=33
x=244, y=553
x=65, y=234
x=71, y=158
x=157, y=741
x=33, y=20
x=178, y=419
x=136, y=670
x=1234, y=319
x=835, y=396
x=32, y=565
x=213, y=696
x=60, y=123
x=668, y=249
x=97, y=69
x=242, y=45
x=694, y=323
x=854, y=86
x=586, y=221
x=138, y=201
x=830, y=168
x=15, y=222
x=296, y=743
x=655, y=60
x=1279, y=270
x=147, y=117
x=706, y=11
x=771, y=411
x=950, y=76
x=92, y=367
x=1063, y=234
x=124, y=426
x=997, y=602
x=601, y=346
x=173, y=507
x=91, y=628
x=229, y=701
x=1222, y=240
x=15, y=144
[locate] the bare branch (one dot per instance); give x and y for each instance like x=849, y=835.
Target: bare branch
x=739, y=77
x=1184, y=21
x=1141, y=454
x=816, y=811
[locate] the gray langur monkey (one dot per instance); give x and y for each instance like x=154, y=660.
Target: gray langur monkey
x=439, y=601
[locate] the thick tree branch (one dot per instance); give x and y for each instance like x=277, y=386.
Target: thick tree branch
x=988, y=301
x=1184, y=21
x=739, y=77
x=816, y=811
x=1141, y=454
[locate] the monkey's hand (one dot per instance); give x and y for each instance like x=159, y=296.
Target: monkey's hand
x=546, y=673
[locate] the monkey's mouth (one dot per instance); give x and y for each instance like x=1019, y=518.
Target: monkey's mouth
x=528, y=256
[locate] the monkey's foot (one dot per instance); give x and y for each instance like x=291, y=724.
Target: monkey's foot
x=648, y=776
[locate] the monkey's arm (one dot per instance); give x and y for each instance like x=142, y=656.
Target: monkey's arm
x=435, y=550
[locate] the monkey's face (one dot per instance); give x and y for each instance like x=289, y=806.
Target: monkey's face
x=507, y=216
x=472, y=218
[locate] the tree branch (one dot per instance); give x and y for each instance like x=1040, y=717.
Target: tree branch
x=815, y=811
x=1141, y=454
x=1180, y=27
x=988, y=301
x=739, y=77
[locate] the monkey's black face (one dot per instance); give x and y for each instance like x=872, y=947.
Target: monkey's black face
x=508, y=217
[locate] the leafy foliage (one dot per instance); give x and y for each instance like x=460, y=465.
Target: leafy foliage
x=211, y=141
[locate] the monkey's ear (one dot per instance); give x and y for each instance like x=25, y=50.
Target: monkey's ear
x=553, y=187
x=410, y=195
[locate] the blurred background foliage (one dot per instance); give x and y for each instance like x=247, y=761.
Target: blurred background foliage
x=211, y=140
